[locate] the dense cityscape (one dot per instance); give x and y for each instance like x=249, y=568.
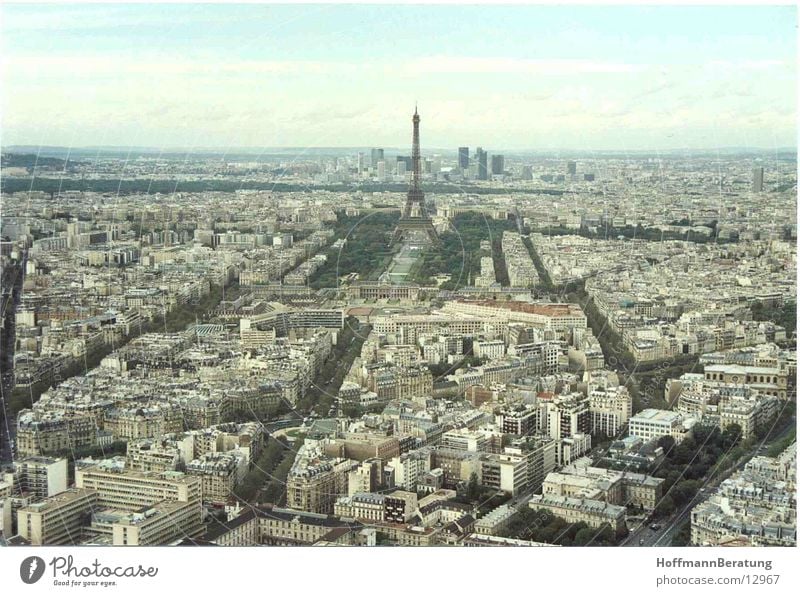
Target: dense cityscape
x=411, y=347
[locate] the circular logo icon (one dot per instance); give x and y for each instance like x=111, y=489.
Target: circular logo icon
x=31, y=569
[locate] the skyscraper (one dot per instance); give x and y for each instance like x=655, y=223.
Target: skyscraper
x=436, y=164
x=376, y=156
x=407, y=160
x=360, y=162
x=527, y=172
x=572, y=168
x=463, y=157
x=498, y=164
x=758, y=179
x=481, y=157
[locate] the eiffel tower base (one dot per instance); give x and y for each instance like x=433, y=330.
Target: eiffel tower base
x=415, y=227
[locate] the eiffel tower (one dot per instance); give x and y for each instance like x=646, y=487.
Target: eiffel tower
x=415, y=224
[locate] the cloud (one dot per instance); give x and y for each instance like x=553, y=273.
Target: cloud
x=479, y=65
x=745, y=64
x=129, y=65
x=653, y=89
x=123, y=66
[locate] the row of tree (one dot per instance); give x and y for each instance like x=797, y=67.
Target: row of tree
x=689, y=463
x=458, y=253
x=366, y=251
x=167, y=186
x=640, y=232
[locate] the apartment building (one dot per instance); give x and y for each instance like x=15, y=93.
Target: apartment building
x=41, y=477
x=220, y=474
x=315, y=483
x=54, y=432
x=466, y=440
x=610, y=408
x=756, y=506
x=653, y=424
x=519, y=420
x=131, y=491
x=408, y=468
x=58, y=519
x=290, y=527
x=163, y=523
x=496, y=521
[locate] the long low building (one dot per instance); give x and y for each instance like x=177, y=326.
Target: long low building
x=555, y=316
x=58, y=519
x=133, y=490
x=593, y=513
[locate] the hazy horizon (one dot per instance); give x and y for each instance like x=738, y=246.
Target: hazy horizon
x=388, y=148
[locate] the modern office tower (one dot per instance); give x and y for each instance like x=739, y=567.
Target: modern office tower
x=527, y=172
x=360, y=162
x=376, y=156
x=588, y=177
x=572, y=168
x=414, y=220
x=463, y=157
x=480, y=158
x=406, y=159
x=758, y=179
x=381, y=171
x=401, y=168
x=498, y=164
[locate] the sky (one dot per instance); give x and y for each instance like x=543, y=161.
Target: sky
x=512, y=77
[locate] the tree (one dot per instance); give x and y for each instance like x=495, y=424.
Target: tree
x=352, y=410
x=684, y=491
x=666, y=443
x=473, y=488
x=584, y=536
x=731, y=435
x=607, y=534
x=665, y=507
x=684, y=535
